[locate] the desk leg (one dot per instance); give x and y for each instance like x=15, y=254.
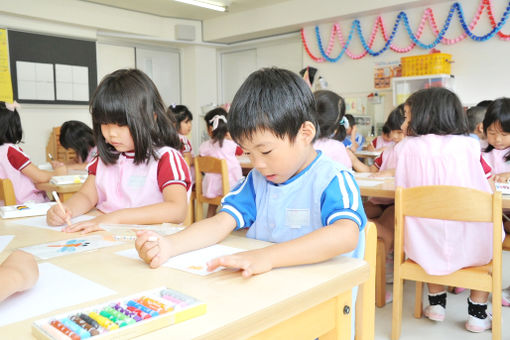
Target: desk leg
x=342, y=331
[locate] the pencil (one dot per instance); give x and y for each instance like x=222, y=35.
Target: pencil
x=50, y=156
x=55, y=195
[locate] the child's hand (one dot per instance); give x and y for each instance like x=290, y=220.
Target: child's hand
x=61, y=170
x=152, y=248
x=90, y=226
x=25, y=266
x=56, y=164
x=250, y=262
x=56, y=217
x=370, y=147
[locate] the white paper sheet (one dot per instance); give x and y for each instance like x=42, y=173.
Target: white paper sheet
x=4, y=241
x=370, y=175
x=194, y=262
x=368, y=183
x=78, y=244
x=56, y=288
x=40, y=222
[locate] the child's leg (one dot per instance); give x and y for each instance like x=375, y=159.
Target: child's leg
x=478, y=320
x=211, y=210
x=373, y=210
x=436, y=310
x=506, y=224
x=386, y=227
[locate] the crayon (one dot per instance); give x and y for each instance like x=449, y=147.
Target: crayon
x=60, y=326
x=83, y=324
x=104, y=322
x=75, y=328
x=147, y=310
x=126, y=312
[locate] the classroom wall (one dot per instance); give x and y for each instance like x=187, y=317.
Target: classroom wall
x=480, y=68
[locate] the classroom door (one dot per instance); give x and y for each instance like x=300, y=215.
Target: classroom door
x=163, y=67
x=235, y=68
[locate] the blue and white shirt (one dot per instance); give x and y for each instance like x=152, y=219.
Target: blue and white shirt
x=359, y=139
x=321, y=194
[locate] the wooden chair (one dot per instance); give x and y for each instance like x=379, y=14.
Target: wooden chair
x=455, y=204
x=365, y=307
x=380, y=274
x=54, y=147
x=189, y=214
x=7, y=192
x=204, y=164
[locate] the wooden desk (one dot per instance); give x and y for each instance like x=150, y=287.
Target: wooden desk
x=64, y=191
x=387, y=190
x=289, y=303
x=367, y=154
x=246, y=165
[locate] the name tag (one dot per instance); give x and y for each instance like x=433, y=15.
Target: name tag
x=136, y=181
x=297, y=218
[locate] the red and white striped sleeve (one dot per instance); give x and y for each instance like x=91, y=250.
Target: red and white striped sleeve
x=486, y=168
x=172, y=169
x=18, y=159
x=92, y=166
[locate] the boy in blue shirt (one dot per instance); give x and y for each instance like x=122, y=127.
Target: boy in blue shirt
x=295, y=196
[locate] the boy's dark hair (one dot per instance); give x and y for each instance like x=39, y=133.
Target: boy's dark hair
x=271, y=99
x=395, y=118
x=498, y=112
x=436, y=111
x=181, y=114
x=385, y=129
x=77, y=136
x=10, y=125
x=128, y=97
x=330, y=110
x=484, y=103
x=350, y=119
x=475, y=115
x=218, y=134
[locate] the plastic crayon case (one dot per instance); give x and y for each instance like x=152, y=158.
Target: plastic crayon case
x=123, y=318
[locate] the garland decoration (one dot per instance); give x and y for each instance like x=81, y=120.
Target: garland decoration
x=427, y=17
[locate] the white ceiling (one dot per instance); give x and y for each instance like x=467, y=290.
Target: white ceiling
x=174, y=9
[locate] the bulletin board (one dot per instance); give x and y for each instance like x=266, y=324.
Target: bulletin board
x=51, y=70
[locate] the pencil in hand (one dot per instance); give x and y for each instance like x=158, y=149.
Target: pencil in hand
x=57, y=199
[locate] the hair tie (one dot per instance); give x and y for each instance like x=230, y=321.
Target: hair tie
x=216, y=120
x=345, y=122
x=173, y=105
x=12, y=106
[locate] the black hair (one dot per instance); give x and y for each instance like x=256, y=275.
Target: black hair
x=77, y=136
x=385, y=129
x=395, y=118
x=271, y=99
x=128, y=97
x=218, y=134
x=330, y=110
x=438, y=111
x=498, y=112
x=484, y=103
x=181, y=114
x=10, y=125
x=475, y=115
x=350, y=119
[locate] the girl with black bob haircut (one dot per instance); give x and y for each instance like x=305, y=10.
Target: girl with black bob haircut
x=10, y=126
x=129, y=98
x=77, y=136
x=253, y=110
x=182, y=119
x=139, y=176
x=182, y=115
x=436, y=111
x=497, y=115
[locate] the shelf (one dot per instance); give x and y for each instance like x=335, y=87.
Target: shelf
x=403, y=87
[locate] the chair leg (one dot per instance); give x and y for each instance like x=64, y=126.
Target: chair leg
x=398, y=295
x=418, y=300
x=496, y=313
x=199, y=211
x=380, y=274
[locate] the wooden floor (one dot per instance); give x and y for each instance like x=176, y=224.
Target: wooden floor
x=451, y=328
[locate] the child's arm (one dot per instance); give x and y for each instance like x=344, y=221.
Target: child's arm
x=322, y=244
x=42, y=176
x=17, y=273
x=358, y=165
x=198, y=235
x=79, y=204
x=172, y=209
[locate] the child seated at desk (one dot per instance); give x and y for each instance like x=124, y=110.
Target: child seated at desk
x=219, y=146
x=353, y=141
x=18, y=272
x=79, y=137
x=296, y=197
x=139, y=177
x=381, y=142
x=15, y=164
x=475, y=116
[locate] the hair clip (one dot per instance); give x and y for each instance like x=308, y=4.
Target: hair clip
x=215, y=121
x=12, y=106
x=344, y=122
x=173, y=105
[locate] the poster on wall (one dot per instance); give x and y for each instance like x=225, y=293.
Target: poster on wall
x=5, y=73
x=384, y=71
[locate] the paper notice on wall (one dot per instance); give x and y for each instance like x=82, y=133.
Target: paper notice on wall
x=5, y=73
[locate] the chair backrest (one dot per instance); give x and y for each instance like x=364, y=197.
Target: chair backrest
x=56, y=149
x=7, y=192
x=365, y=303
x=205, y=164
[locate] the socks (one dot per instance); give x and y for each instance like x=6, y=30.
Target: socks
x=438, y=299
x=478, y=310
